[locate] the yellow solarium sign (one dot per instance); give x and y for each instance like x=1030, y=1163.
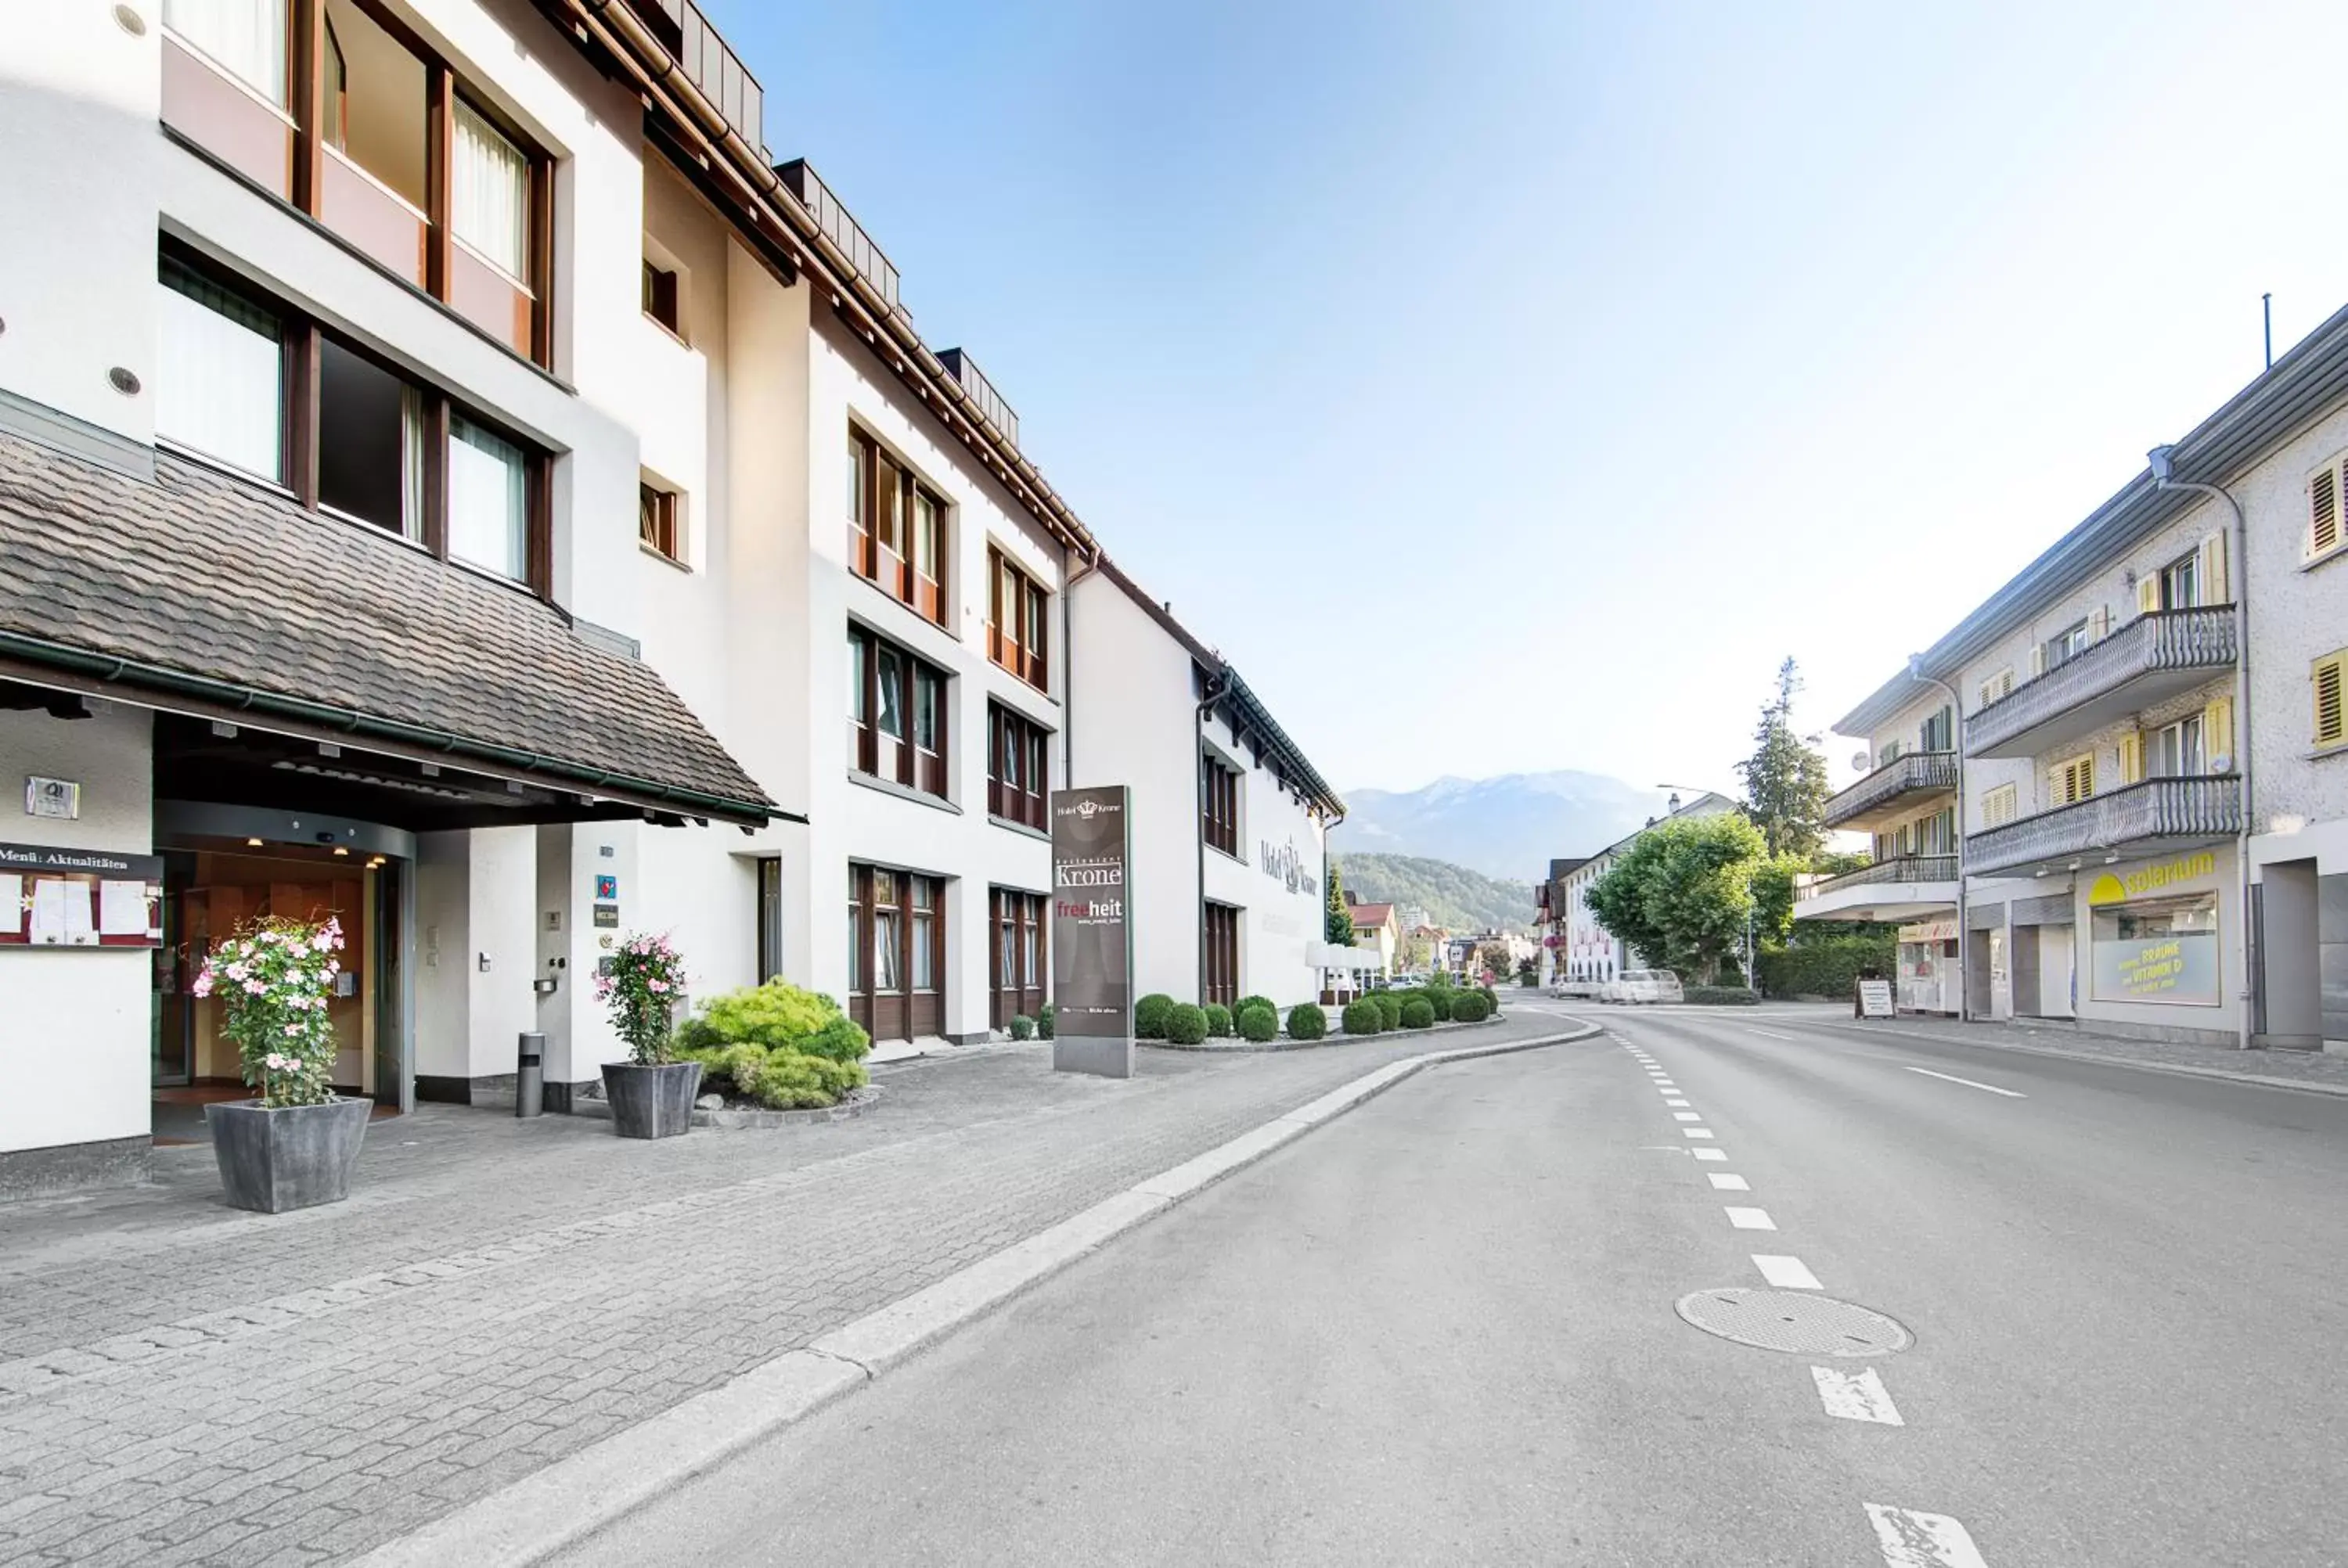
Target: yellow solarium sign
x=2158, y=877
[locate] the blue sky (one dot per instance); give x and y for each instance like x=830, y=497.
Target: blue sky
x=1509, y=386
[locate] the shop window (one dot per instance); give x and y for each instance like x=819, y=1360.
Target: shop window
x=1220, y=804
x=896, y=529
x=2157, y=950
x=897, y=714
x=1018, y=614
x=1019, y=769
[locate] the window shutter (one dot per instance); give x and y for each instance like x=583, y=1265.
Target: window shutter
x=2132, y=758
x=2331, y=721
x=2148, y=593
x=2100, y=624
x=2323, y=510
x=2037, y=660
x=2218, y=734
x=2213, y=571
x=2087, y=776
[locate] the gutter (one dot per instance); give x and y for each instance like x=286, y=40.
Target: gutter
x=109, y=670
x=1214, y=694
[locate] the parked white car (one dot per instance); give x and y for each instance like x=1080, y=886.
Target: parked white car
x=1649, y=986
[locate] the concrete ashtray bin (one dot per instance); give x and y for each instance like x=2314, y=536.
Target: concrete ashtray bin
x=651, y=1102
x=293, y=1157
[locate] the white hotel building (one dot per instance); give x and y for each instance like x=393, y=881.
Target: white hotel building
x=451, y=479
x=2141, y=740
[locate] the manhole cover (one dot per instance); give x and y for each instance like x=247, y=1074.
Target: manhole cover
x=1795, y=1321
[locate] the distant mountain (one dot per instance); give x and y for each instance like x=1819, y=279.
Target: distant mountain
x=1456, y=899
x=1504, y=826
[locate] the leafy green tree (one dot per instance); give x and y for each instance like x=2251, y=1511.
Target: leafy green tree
x=1773, y=896
x=1414, y=954
x=1680, y=896
x=1494, y=957
x=1785, y=778
x=1336, y=921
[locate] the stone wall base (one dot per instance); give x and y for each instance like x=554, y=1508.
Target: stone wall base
x=74, y=1167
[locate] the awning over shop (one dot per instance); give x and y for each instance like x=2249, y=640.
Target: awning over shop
x=300, y=656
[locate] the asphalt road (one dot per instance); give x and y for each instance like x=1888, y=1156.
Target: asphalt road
x=1441, y=1330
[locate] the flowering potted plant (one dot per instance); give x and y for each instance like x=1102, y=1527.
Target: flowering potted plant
x=295, y=1145
x=651, y=1093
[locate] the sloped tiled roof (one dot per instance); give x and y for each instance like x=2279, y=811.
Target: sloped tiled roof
x=1371, y=913
x=199, y=574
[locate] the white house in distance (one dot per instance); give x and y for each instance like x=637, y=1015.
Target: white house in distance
x=1586, y=952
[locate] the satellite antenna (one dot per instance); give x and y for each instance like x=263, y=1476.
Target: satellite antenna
x=1859, y=761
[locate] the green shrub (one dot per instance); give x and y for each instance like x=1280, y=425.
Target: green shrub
x=1469, y=1007
x=1362, y=1017
x=1439, y=1001
x=1491, y=1000
x=1417, y=1013
x=777, y=1015
x=1022, y=1027
x=841, y=1038
x=1722, y=996
x=1149, y=1016
x=1259, y=1024
x=1218, y=1021
x=791, y=1079
x=1827, y=967
x=1047, y=1017
x=1246, y=1002
x=1307, y=1021
x=1186, y=1023
x=1389, y=1008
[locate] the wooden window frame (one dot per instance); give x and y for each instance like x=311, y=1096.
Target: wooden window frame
x=1015, y=919
x=875, y=508
x=1218, y=818
x=1018, y=620
x=303, y=343
x=1020, y=792
x=658, y=525
x=663, y=299
x=865, y=996
x=1218, y=949
x=916, y=768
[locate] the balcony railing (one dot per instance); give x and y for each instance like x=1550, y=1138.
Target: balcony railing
x=1904, y=868
x=843, y=231
x=2154, y=656
x=708, y=64
x=1909, y=777
x=2157, y=810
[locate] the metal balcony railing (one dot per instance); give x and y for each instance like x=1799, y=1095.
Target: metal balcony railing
x=2169, y=649
x=2138, y=814
x=1900, y=869
x=1916, y=774
x=840, y=228
x=708, y=64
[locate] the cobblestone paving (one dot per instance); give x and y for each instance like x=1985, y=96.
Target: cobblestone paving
x=183, y=1383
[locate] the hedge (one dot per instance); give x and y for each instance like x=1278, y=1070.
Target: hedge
x=1828, y=967
x=1389, y=1008
x=1149, y=1016
x=1418, y=1014
x=1218, y=1021
x=1307, y=1021
x=1722, y=996
x=1439, y=1001
x=1363, y=1017
x=1258, y=1024
x=1186, y=1024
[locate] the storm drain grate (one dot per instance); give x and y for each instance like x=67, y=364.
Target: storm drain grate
x=1795, y=1321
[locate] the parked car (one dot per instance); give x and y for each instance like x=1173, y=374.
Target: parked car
x=1569, y=990
x=1650, y=985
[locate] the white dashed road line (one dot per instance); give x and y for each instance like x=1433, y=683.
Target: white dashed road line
x=1687, y=1116
x=1751, y=1219
x=1857, y=1396
x=1722, y=1181
x=1912, y=1539
x=1786, y=1273
x=1695, y=1131
x=1772, y=1034
x=1709, y=1154
x=1674, y=1101
x=1952, y=1078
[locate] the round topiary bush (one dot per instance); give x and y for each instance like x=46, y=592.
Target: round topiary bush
x=1307, y=1021
x=1246, y=1002
x=1218, y=1021
x=1439, y=1001
x=1492, y=1000
x=1186, y=1023
x=1469, y=1007
x=1362, y=1017
x=1418, y=1014
x=1022, y=1027
x=1149, y=1016
x=1258, y=1024
x=1389, y=1008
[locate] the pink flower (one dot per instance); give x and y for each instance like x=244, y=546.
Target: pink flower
x=293, y=1029
x=254, y=987
x=203, y=986
x=658, y=985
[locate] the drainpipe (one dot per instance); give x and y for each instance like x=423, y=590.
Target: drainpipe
x=1957, y=737
x=1068, y=674
x=1199, y=817
x=2238, y=579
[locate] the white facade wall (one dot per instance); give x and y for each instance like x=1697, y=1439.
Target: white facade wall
x=1281, y=926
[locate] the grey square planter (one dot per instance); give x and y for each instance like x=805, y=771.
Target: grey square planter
x=651, y=1102
x=290, y=1158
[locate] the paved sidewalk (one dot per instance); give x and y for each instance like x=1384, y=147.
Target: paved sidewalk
x=181, y=1383
x=2297, y=1068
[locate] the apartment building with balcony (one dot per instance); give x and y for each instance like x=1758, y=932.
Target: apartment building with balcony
x=2152, y=798
x=1589, y=954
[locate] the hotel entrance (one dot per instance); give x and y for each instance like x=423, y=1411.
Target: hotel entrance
x=224, y=867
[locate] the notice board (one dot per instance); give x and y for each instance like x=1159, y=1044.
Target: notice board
x=56, y=897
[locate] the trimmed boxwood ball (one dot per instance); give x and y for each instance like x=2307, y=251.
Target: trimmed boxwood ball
x=1491, y=1000
x=1439, y=1001
x=1244, y=1003
x=1022, y=1027
x=1469, y=1007
x=1389, y=1008
x=1362, y=1017
x=1186, y=1023
x=1149, y=1016
x=1418, y=1014
x=1218, y=1021
x=1258, y=1024
x=1307, y=1021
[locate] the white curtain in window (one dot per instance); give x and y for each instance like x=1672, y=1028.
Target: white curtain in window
x=488, y=193
x=411, y=462
x=488, y=520
x=246, y=36
x=219, y=383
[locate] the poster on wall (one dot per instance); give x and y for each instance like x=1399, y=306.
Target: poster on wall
x=54, y=897
x=1092, y=935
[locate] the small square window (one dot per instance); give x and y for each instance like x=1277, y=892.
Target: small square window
x=656, y=520
x=661, y=296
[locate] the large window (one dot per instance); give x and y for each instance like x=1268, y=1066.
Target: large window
x=1939, y=732
x=896, y=714
x=338, y=108
x=1219, y=819
x=1017, y=957
x=1018, y=612
x=253, y=386
x=897, y=957
x=2065, y=645
x=2157, y=950
x=1219, y=939
x=1019, y=767
x=896, y=528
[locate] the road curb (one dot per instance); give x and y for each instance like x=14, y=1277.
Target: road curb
x=564, y=1502
x=2173, y=1069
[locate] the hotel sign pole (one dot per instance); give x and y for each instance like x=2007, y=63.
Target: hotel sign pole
x=1092, y=932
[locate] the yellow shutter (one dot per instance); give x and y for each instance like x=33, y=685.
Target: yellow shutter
x=2213, y=571
x=2072, y=781
x=2218, y=734
x=2087, y=767
x=2148, y=593
x=2323, y=510
x=2132, y=758
x=2331, y=721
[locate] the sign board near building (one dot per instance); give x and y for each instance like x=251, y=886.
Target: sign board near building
x=54, y=897
x=1092, y=931
x=1875, y=999
x=2154, y=933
